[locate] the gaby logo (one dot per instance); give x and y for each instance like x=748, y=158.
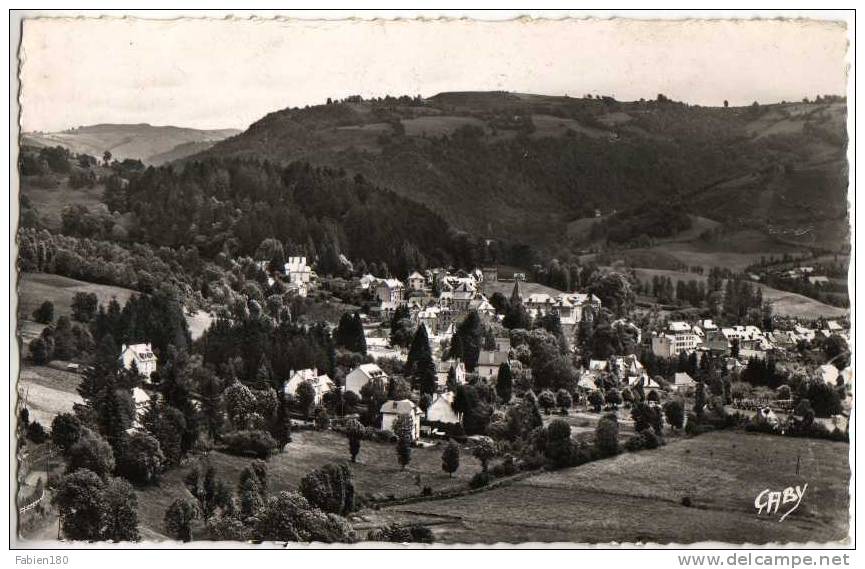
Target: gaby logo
x=769, y=502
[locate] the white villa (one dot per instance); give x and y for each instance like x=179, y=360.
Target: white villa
x=363, y=374
x=393, y=409
x=321, y=383
x=441, y=409
x=141, y=355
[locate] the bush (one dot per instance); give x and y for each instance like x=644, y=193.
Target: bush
x=635, y=443
x=329, y=488
x=36, y=433
x=506, y=467
x=481, y=479
x=652, y=440
x=250, y=442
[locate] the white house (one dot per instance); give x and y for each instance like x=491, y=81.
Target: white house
x=141, y=355
x=441, y=409
x=297, y=271
x=685, y=338
x=489, y=362
x=664, y=345
x=363, y=374
x=416, y=281
x=393, y=409
x=683, y=381
x=321, y=383
x=390, y=292
x=443, y=369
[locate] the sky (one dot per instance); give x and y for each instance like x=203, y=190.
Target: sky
x=227, y=73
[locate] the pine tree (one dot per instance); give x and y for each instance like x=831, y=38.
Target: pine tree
x=420, y=352
x=504, y=382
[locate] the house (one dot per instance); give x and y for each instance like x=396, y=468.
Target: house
x=490, y=274
x=443, y=368
x=644, y=380
x=297, y=271
x=598, y=365
x=366, y=281
x=626, y=366
x=664, y=345
x=829, y=374
x=363, y=374
x=717, y=342
x=503, y=344
x=142, y=400
x=441, y=409
x=390, y=292
x=416, y=281
x=321, y=383
x=141, y=355
x=462, y=296
x=489, y=362
x=683, y=381
x=393, y=409
x=685, y=340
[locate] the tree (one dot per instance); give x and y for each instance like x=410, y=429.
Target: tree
x=106, y=158
x=420, y=352
x=45, y=313
x=305, y=397
x=558, y=448
x=564, y=400
x=36, y=433
x=700, y=399
x=178, y=519
x=425, y=373
x=402, y=426
x=547, y=401
x=517, y=316
x=239, y=404
x=615, y=292
x=290, y=517
x=65, y=430
x=121, y=512
x=39, y=352
x=91, y=452
x=141, y=460
x=613, y=397
x=675, y=413
x=451, y=458
x=596, y=399
x=329, y=488
x=80, y=500
x=84, y=306
x=607, y=436
x=354, y=431
x=484, y=451
x=467, y=340
x=504, y=382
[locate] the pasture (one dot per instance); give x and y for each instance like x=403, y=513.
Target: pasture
x=637, y=497
x=50, y=202
x=48, y=392
x=375, y=473
x=36, y=288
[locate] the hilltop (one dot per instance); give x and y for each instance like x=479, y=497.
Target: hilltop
x=151, y=144
x=525, y=167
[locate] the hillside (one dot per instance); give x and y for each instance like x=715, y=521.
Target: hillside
x=523, y=167
x=150, y=144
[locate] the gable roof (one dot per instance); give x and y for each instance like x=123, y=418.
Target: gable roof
x=402, y=407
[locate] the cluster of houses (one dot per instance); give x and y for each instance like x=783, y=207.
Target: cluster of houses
x=751, y=341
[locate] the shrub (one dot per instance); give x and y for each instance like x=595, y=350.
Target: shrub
x=329, y=488
x=636, y=442
x=481, y=479
x=250, y=442
x=607, y=436
x=36, y=433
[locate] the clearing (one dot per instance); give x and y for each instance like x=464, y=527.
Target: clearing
x=48, y=392
x=636, y=497
x=376, y=472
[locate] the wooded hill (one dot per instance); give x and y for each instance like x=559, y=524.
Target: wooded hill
x=521, y=167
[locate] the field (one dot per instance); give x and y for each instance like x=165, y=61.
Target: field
x=35, y=288
x=783, y=303
x=376, y=472
x=48, y=392
x=49, y=202
x=636, y=497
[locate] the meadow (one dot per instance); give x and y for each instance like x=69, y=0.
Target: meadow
x=637, y=497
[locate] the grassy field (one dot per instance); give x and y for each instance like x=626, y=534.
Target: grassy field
x=783, y=303
x=637, y=497
x=48, y=392
x=35, y=288
x=49, y=202
x=376, y=472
